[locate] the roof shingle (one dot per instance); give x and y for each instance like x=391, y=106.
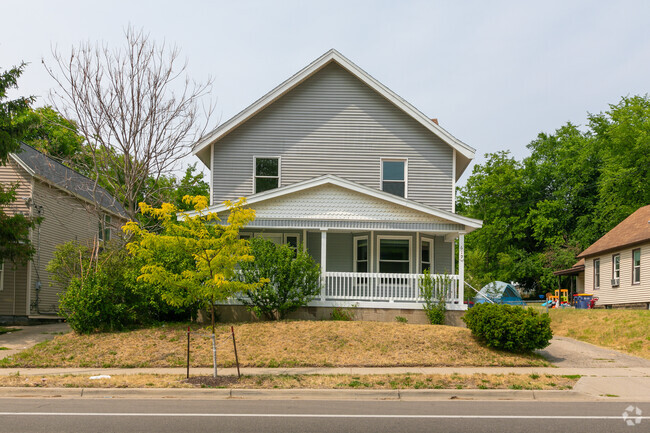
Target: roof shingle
x=632, y=230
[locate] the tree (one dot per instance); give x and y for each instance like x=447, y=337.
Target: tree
x=135, y=110
x=292, y=279
x=194, y=259
x=15, y=244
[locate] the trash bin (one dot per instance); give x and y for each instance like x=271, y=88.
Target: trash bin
x=582, y=301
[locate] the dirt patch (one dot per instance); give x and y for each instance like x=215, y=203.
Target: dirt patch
x=211, y=381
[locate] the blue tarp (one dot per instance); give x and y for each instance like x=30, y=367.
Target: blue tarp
x=499, y=293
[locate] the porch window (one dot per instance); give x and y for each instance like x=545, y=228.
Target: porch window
x=636, y=266
x=393, y=176
x=596, y=273
x=361, y=254
x=426, y=252
x=616, y=270
x=395, y=255
x=267, y=173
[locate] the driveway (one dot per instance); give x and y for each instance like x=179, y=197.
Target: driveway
x=28, y=336
x=567, y=352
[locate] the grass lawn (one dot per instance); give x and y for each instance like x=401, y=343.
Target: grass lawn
x=274, y=344
x=375, y=381
x=4, y=330
x=624, y=330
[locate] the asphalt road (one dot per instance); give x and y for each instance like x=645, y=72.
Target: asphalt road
x=167, y=415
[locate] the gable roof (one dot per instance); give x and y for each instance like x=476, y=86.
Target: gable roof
x=329, y=179
x=465, y=153
x=632, y=230
x=45, y=168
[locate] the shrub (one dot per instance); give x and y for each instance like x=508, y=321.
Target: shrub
x=401, y=319
x=434, y=291
x=102, y=292
x=343, y=314
x=293, y=279
x=509, y=327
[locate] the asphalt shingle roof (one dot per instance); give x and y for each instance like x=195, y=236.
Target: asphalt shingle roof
x=67, y=179
x=632, y=230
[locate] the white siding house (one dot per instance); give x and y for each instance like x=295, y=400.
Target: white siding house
x=336, y=162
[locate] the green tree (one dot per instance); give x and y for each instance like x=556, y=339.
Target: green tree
x=194, y=259
x=292, y=279
x=15, y=244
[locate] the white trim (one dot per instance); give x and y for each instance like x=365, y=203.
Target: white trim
x=407, y=237
x=304, y=240
x=371, y=251
x=255, y=176
x=406, y=171
x=331, y=56
x=211, y=174
x=453, y=182
x=355, y=239
x=323, y=251
x=470, y=223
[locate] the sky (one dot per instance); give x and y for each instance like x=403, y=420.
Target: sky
x=495, y=73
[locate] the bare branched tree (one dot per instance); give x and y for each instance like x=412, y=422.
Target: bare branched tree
x=136, y=108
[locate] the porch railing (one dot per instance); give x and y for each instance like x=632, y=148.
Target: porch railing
x=361, y=286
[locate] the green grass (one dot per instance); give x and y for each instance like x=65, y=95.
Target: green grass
x=4, y=330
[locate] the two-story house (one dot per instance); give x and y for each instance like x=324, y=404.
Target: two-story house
x=71, y=208
x=338, y=164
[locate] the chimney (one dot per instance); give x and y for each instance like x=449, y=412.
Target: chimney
x=435, y=120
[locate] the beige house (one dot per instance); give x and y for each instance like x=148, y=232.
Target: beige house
x=72, y=208
x=617, y=266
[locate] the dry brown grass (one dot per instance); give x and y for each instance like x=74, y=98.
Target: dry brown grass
x=624, y=330
x=275, y=344
x=379, y=381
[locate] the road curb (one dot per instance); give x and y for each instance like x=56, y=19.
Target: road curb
x=294, y=394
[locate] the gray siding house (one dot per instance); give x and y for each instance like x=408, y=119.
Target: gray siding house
x=337, y=163
x=72, y=209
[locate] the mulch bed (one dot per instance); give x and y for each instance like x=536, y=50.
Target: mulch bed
x=219, y=381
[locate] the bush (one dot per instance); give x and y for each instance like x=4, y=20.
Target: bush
x=343, y=314
x=102, y=291
x=293, y=279
x=509, y=327
x=434, y=299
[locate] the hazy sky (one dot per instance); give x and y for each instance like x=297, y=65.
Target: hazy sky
x=495, y=73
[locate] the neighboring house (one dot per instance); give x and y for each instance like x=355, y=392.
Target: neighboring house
x=72, y=208
x=576, y=277
x=334, y=161
x=617, y=266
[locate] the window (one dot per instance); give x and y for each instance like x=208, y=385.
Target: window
x=394, y=255
x=105, y=228
x=616, y=270
x=267, y=174
x=426, y=252
x=361, y=254
x=393, y=176
x=596, y=273
x=636, y=266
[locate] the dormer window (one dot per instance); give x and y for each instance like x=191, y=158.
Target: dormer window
x=393, y=176
x=267, y=173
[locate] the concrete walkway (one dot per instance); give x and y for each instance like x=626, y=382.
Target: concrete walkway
x=27, y=336
x=567, y=352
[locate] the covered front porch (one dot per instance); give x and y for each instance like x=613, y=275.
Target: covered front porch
x=372, y=247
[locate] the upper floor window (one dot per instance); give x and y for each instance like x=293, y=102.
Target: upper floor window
x=596, y=273
x=393, y=176
x=616, y=269
x=105, y=228
x=267, y=173
x=636, y=266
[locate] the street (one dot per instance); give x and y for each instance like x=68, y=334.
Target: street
x=174, y=415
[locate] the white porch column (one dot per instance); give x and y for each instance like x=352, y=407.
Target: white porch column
x=323, y=262
x=461, y=267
